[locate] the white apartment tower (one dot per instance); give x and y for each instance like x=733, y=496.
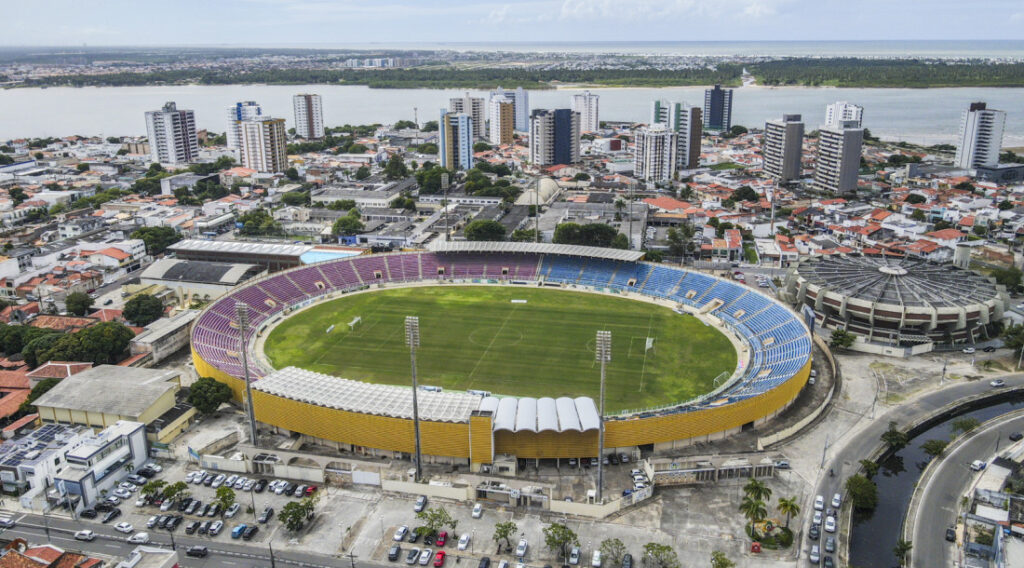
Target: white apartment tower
x=521, y=102
x=455, y=140
x=686, y=121
x=502, y=120
x=245, y=110
x=842, y=111
x=554, y=137
x=981, y=137
x=838, y=161
x=172, y=135
x=475, y=108
x=263, y=144
x=783, y=147
x=587, y=105
x=309, y=116
x=656, y=154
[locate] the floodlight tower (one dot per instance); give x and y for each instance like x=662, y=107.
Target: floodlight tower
x=603, y=354
x=412, y=339
x=242, y=314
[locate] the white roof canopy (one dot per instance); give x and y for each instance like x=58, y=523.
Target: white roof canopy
x=537, y=415
x=535, y=248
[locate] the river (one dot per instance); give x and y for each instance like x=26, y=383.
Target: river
x=928, y=116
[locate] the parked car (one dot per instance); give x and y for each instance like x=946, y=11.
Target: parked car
x=521, y=548
x=197, y=551
x=238, y=530
x=260, y=486
x=782, y=464
x=216, y=527
x=250, y=532
x=574, y=556
x=969, y=350
x=439, y=559
x=827, y=562
x=174, y=522
x=421, y=503
x=478, y=511
x=814, y=533
x=815, y=555
x=819, y=503
x=989, y=349
x=830, y=524
x=204, y=527
x=595, y=559
x=230, y=480
x=837, y=500
x=266, y=515
x=442, y=538
x=191, y=527
x=412, y=556
x=394, y=552
x=300, y=491
x=463, y=541
x=425, y=555
x=86, y=535
x=139, y=538
x=817, y=517
x=111, y=515
x=978, y=465
x=152, y=522
x=218, y=481
x=124, y=527
x=485, y=562
x=310, y=489
x=400, y=533
x=214, y=510
x=414, y=535
x=830, y=544
x=249, y=485
x=232, y=510
x=627, y=560
x=1016, y=436
x=88, y=514
x=951, y=534
x=167, y=505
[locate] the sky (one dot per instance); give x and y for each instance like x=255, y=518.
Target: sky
x=337, y=22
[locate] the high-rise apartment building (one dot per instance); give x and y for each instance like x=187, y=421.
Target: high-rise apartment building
x=554, y=137
x=686, y=121
x=474, y=107
x=455, y=148
x=521, y=102
x=309, y=116
x=244, y=110
x=587, y=105
x=717, y=109
x=172, y=135
x=263, y=144
x=656, y=153
x=838, y=160
x=502, y=120
x=981, y=137
x=783, y=147
x=844, y=111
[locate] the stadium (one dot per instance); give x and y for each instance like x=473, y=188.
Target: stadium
x=770, y=366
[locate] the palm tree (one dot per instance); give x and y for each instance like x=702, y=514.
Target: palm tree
x=754, y=510
x=757, y=490
x=901, y=550
x=789, y=507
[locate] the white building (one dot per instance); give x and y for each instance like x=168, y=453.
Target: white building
x=502, y=120
x=245, y=110
x=263, y=145
x=98, y=463
x=587, y=105
x=309, y=117
x=783, y=147
x=838, y=161
x=843, y=111
x=656, y=153
x=980, y=137
x=172, y=135
x=686, y=121
x=474, y=107
x=521, y=101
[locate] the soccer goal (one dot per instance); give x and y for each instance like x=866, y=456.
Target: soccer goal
x=352, y=324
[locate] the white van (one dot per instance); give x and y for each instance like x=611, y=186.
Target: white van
x=595, y=560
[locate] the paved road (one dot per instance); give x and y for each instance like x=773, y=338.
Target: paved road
x=224, y=552
x=947, y=484
x=844, y=457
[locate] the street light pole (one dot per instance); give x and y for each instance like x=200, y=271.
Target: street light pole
x=242, y=313
x=412, y=339
x=603, y=353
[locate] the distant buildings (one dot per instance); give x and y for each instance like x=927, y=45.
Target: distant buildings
x=587, y=105
x=172, y=135
x=981, y=137
x=656, y=154
x=844, y=111
x=521, y=101
x=240, y=111
x=263, y=144
x=309, y=116
x=455, y=150
x=838, y=161
x=684, y=120
x=783, y=147
x=554, y=137
x=502, y=120
x=718, y=109
x=474, y=107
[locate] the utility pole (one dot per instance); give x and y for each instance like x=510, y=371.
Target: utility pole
x=536, y=211
x=271, y=547
x=603, y=354
x=412, y=339
x=242, y=313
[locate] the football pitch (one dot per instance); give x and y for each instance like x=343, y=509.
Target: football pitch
x=509, y=341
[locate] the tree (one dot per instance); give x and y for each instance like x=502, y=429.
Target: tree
x=403, y=124
x=1009, y=277
x=901, y=550
x=362, y=173
x=582, y=176
x=396, y=168
x=143, y=309
x=348, y=225
x=934, y=448
x=429, y=179
x=841, y=339
x=259, y=222
x=963, y=425
x=481, y=147
x=524, y=235
x=178, y=489
x=484, y=230
x=918, y=215
x=870, y=468
x=436, y=518
x=157, y=239
x=295, y=513
x=78, y=303
x=788, y=506
x=225, y=497
x=720, y=560
x=754, y=510
x=620, y=241
x=660, y=556
x=154, y=487
x=738, y=130
x=613, y=550
x=895, y=438
x=862, y=491
x=39, y=345
x=82, y=167
x=102, y=344
x=594, y=234
x=744, y=193
x=916, y=199
x=504, y=531
x=680, y=241
x=295, y=198
x=1005, y=205
x=558, y=538
x=207, y=394
x=1013, y=337
x=757, y=490
x=429, y=126
x=41, y=388
x=292, y=174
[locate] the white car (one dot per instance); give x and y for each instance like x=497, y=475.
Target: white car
x=817, y=518
x=978, y=465
x=521, y=548
x=595, y=559
x=125, y=528
x=830, y=524
x=128, y=485
x=154, y=467
x=123, y=493
x=400, y=533
x=815, y=555
x=837, y=500
x=140, y=502
x=85, y=534
x=139, y=538
x=478, y=511
x=232, y=510
x=574, y=556
x=464, y=541
x=230, y=481
x=166, y=505
x=969, y=350
x=240, y=483
x=218, y=481
x=997, y=383
x=819, y=503
x=197, y=476
x=425, y=556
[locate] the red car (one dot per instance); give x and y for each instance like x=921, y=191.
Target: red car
x=442, y=538
x=439, y=559
x=310, y=490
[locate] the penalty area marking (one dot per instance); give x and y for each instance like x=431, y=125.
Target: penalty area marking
x=518, y=301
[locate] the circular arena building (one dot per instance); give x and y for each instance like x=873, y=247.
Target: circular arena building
x=772, y=343
x=896, y=305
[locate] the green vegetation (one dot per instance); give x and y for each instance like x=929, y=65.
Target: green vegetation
x=78, y=303
x=895, y=438
x=886, y=73
x=143, y=309
x=592, y=235
x=841, y=339
x=348, y=225
x=208, y=394
x=558, y=538
x=484, y=230
x=862, y=492
x=934, y=448
x=157, y=239
x=41, y=388
x=475, y=338
x=727, y=166
x=295, y=513
x=258, y=222
x=660, y=556
x=720, y=560
x=435, y=519
x=505, y=531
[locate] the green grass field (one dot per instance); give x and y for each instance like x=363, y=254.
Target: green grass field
x=476, y=338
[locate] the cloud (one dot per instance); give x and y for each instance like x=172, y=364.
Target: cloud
x=655, y=10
